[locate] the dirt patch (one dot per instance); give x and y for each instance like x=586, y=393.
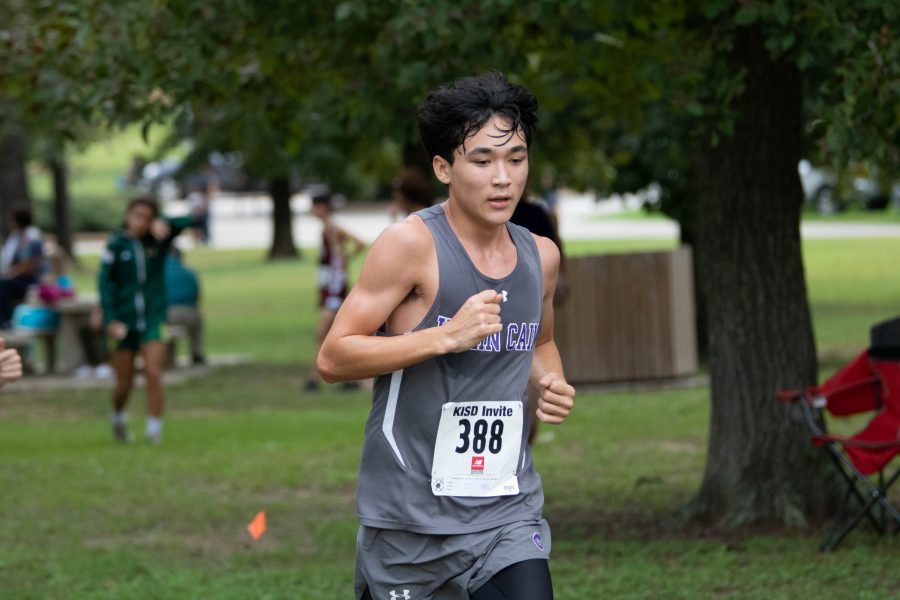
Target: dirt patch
x=648, y=525
x=682, y=446
x=41, y=407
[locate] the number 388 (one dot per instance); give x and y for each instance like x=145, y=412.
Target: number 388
x=476, y=436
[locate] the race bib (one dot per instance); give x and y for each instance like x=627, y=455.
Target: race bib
x=476, y=452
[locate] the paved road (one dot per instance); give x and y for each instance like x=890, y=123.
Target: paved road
x=245, y=222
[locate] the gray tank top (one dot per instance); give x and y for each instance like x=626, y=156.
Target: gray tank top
x=395, y=487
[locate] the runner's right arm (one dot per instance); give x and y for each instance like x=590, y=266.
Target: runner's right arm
x=396, y=264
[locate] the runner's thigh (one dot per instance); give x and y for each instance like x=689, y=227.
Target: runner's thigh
x=527, y=579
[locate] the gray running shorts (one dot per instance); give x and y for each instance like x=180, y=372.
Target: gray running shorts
x=402, y=565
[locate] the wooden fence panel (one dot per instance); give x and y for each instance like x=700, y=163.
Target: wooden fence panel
x=628, y=317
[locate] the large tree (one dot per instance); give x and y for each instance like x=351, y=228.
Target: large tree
x=762, y=85
x=759, y=464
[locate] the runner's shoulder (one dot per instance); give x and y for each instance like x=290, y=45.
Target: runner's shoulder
x=406, y=242
x=548, y=251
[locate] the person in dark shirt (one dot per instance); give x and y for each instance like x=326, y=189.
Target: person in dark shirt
x=535, y=218
x=410, y=192
x=22, y=262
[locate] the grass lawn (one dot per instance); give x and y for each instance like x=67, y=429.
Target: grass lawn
x=84, y=518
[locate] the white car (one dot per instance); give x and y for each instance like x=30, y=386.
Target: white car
x=821, y=189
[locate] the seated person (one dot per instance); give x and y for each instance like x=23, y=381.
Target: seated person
x=21, y=262
x=183, y=295
x=55, y=285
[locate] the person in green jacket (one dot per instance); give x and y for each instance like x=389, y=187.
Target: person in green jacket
x=133, y=300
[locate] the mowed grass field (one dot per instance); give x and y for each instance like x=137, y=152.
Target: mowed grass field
x=84, y=518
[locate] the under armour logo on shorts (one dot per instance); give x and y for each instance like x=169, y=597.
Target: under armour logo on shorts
x=404, y=596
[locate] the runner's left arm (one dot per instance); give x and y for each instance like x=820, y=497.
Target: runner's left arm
x=556, y=395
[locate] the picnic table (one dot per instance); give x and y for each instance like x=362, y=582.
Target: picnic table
x=63, y=344
x=74, y=314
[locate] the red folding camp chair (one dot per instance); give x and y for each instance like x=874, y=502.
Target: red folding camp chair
x=870, y=383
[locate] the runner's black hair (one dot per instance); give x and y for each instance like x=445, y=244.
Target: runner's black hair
x=452, y=113
x=144, y=201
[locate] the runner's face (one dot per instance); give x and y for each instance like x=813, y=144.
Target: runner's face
x=488, y=173
x=138, y=220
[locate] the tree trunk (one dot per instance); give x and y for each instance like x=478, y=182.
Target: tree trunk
x=61, y=206
x=688, y=237
x=282, y=220
x=760, y=466
x=13, y=177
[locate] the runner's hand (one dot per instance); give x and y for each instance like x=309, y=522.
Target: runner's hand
x=160, y=229
x=10, y=364
x=556, y=399
x=476, y=319
x=117, y=330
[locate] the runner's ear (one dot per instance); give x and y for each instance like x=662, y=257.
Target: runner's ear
x=441, y=169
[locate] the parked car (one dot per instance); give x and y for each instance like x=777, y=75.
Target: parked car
x=168, y=179
x=828, y=194
x=160, y=179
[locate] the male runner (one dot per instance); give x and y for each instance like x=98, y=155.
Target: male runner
x=339, y=247
x=453, y=313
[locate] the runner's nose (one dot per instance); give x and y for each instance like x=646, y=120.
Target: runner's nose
x=501, y=175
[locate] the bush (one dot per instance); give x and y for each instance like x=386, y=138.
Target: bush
x=94, y=214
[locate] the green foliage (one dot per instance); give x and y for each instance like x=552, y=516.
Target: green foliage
x=89, y=214
x=95, y=177
x=330, y=91
x=849, y=56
